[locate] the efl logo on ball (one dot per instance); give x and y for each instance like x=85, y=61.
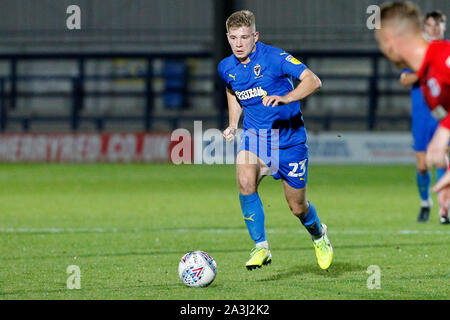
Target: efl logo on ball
x=197, y=269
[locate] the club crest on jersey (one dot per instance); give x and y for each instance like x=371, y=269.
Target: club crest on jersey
x=250, y=93
x=257, y=70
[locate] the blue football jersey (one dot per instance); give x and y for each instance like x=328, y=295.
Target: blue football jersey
x=423, y=124
x=269, y=72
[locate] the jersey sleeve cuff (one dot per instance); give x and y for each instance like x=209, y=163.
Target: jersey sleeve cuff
x=445, y=122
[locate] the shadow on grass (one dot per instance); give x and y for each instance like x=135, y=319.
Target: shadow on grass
x=336, y=270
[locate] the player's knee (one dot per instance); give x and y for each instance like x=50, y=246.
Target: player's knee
x=422, y=169
x=246, y=185
x=299, y=209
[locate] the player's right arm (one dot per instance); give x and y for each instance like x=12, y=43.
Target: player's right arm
x=437, y=148
x=234, y=114
x=407, y=78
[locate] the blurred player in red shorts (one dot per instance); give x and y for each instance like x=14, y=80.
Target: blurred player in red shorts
x=400, y=38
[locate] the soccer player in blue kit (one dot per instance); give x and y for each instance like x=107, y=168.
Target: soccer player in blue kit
x=258, y=82
x=423, y=124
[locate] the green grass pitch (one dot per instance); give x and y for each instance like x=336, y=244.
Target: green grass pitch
x=127, y=226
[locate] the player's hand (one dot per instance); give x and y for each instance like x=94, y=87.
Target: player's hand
x=272, y=101
x=407, y=78
x=443, y=183
x=443, y=187
x=437, y=148
x=229, y=133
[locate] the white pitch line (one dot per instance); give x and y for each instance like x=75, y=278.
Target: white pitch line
x=217, y=230
x=56, y=230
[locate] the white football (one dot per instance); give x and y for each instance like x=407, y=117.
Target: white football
x=197, y=269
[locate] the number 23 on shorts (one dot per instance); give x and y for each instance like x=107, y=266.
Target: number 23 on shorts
x=298, y=169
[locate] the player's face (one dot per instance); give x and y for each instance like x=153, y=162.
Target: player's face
x=434, y=29
x=242, y=41
x=387, y=45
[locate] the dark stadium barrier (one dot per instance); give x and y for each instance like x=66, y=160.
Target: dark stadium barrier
x=10, y=92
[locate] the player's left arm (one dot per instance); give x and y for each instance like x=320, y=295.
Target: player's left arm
x=443, y=182
x=309, y=83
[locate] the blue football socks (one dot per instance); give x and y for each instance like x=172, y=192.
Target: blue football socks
x=253, y=212
x=254, y=218
x=439, y=173
x=311, y=222
x=423, y=184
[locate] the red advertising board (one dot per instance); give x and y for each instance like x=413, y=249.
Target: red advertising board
x=108, y=147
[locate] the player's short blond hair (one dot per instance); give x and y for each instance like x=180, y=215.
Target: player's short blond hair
x=401, y=16
x=243, y=18
x=437, y=15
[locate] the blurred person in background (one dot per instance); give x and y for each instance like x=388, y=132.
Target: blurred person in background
x=423, y=124
x=401, y=40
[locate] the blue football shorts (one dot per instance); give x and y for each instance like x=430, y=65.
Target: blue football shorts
x=288, y=164
x=423, y=129
x=423, y=124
